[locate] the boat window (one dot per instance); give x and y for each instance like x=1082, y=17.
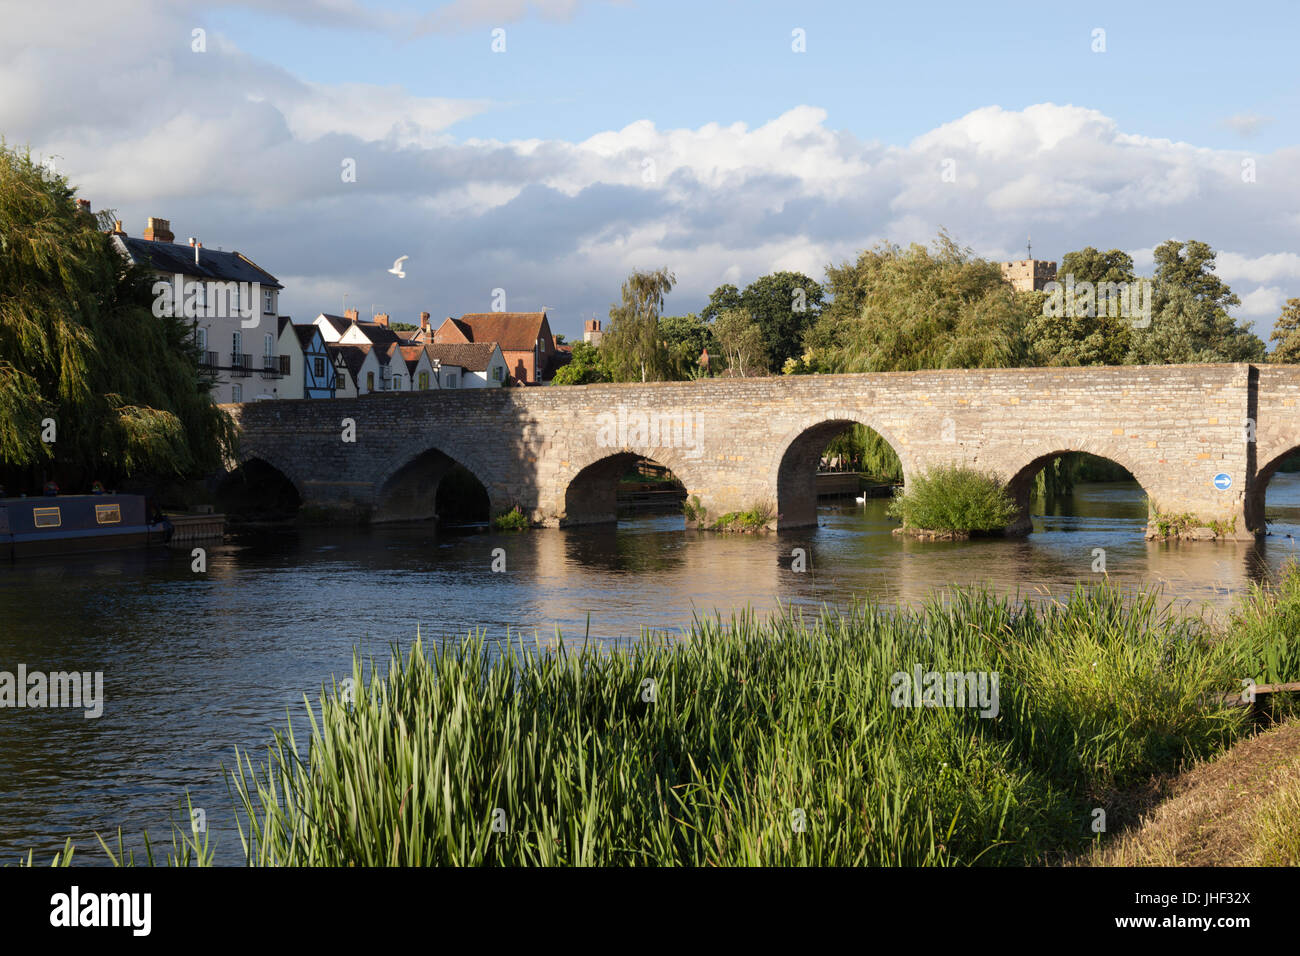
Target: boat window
x=47, y=517
x=108, y=514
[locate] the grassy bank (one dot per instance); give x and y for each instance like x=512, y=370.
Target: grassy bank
x=772, y=742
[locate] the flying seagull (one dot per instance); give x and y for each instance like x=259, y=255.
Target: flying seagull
x=397, y=267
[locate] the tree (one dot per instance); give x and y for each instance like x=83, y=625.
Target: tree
x=1190, y=321
x=723, y=298
x=741, y=341
x=633, y=346
x=1286, y=333
x=585, y=368
x=901, y=309
x=784, y=304
x=685, y=337
x=1069, y=336
x=80, y=345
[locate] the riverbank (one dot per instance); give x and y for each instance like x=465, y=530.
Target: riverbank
x=968, y=731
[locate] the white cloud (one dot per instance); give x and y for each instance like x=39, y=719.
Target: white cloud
x=1247, y=124
x=246, y=155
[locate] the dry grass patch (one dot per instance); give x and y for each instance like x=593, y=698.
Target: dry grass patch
x=1241, y=809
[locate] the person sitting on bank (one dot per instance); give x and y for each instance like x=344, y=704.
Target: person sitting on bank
x=51, y=489
x=97, y=488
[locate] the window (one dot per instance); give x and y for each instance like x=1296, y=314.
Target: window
x=235, y=286
x=237, y=341
x=370, y=381
x=451, y=379
x=201, y=295
x=397, y=382
x=108, y=514
x=268, y=301
x=236, y=393
x=201, y=339
x=47, y=517
x=497, y=373
x=318, y=368
x=268, y=344
x=342, y=378
x=424, y=381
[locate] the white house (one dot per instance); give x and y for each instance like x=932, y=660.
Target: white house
x=469, y=364
x=363, y=371
x=231, y=301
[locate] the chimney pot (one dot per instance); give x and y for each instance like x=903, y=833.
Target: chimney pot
x=351, y=314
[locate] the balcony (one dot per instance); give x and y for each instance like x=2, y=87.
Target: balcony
x=241, y=365
x=275, y=366
x=208, y=361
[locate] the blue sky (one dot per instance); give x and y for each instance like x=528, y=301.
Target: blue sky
x=883, y=71
x=612, y=136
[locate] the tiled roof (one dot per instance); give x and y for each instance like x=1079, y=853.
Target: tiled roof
x=412, y=355
x=172, y=257
x=473, y=356
x=513, y=331
x=354, y=356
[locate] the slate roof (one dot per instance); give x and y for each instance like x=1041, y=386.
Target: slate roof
x=173, y=257
x=306, y=333
x=513, y=331
x=473, y=356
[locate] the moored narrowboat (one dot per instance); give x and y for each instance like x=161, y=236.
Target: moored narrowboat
x=66, y=524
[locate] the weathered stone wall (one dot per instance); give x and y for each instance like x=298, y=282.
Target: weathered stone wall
x=741, y=443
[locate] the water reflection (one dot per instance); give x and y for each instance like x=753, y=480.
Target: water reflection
x=197, y=664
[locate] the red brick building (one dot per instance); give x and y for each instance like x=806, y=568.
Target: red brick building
x=525, y=339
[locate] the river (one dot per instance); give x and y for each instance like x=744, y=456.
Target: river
x=197, y=664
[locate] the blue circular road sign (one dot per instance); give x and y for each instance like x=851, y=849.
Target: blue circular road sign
x=1223, y=481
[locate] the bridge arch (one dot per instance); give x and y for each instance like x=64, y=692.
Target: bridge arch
x=409, y=488
x=1020, y=480
x=800, y=450
x=591, y=487
x=257, y=487
x=1256, y=499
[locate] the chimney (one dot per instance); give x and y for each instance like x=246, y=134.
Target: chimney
x=158, y=230
x=197, y=247
x=117, y=228
x=351, y=315
x=424, y=321
x=381, y=318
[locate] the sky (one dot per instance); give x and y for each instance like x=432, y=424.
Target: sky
x=547, y=148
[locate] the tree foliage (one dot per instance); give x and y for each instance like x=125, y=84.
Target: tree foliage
x=901, y=309
x=740, y=340
x=587, y=367
x=1190, y=321
x=1286, y=333
x=633, y=348
x=79, y=345
x=783, y=304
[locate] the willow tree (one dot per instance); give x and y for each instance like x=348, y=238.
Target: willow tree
x=899, y=309
x=92, y=384
x=634, y=346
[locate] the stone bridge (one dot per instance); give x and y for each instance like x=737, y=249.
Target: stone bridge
x=557, y=452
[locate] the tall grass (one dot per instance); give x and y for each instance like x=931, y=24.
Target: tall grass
x=751, y=730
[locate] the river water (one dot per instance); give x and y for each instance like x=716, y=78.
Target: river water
x=197, y=664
